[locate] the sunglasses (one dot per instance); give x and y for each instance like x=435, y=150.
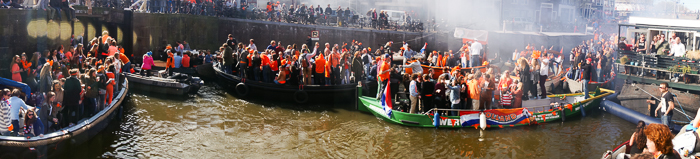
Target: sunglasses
x=662, y=87
x=30, y=114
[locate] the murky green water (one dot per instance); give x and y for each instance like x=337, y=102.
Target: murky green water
x=215, y=124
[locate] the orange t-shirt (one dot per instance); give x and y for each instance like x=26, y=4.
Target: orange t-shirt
x=185, y=60
x=384, y=76
x=474, y=89
x=274, y=66
x=320, y=64
x=125, y=59
x=170, y=63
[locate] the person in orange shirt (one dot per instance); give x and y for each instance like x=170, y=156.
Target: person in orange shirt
x=125, y=61
x=169, y=64
x=186, y=59
x=265, y=66
x=320, y=70
x=334, y=60
x=474, y=87
x=110, y=84
x=383, y=74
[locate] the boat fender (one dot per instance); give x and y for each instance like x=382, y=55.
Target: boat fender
x=436, y=120
x=562, y=113
x=482, y=121
x=301, y=96
x=242, y=89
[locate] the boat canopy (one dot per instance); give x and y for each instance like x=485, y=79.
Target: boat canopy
x=24, y=87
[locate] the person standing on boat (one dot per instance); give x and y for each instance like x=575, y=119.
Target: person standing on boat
x=455, y=89
x=71, y=96
x=414, y=93
x=148, y=63
x=5, y=114
x=231, y=42
x=544, y=74
x=474, y=90
x=243, y=61
x=665, y=105
x=383, y=74
x=169, y=64
x=125, y=61
x=186, y=59
x=265, y=67
x=256, y=63
x=252, y=45
x=320, y=63
x=427, y=89
x=585, y=76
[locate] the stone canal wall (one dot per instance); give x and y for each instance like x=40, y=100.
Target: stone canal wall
x=30, y=31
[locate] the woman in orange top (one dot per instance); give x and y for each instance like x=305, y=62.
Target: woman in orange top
x=110, y=84
x=16, y=69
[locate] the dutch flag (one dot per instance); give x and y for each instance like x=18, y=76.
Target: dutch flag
x=422, y=51
x=386, y=100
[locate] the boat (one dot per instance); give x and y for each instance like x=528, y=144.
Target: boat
x=557, y=107
x=53, y=144
x=620, y=149
x=285, y=92
x=178, y=84
x=205, y=70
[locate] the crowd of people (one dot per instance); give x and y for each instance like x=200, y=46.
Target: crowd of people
x=444, y=85
x=67, y=84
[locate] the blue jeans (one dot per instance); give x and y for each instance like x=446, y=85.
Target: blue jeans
x=455, y=106
x=475, y=61
x=585, y=88
x=266, y=74
x=598, y=74
x=666, y=120
x=127, y=67
x=257, y=72
x=15, y=126
x=242, y=72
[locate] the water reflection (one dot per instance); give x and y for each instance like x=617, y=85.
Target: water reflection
x=214, y=124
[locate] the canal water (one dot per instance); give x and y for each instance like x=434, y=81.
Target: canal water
x=215, y=124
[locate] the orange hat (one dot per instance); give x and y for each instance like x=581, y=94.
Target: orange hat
x=485, y=63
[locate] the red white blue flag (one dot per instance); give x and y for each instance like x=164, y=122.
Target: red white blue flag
x=386, y=100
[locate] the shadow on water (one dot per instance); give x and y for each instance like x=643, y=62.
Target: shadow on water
x=267, y=102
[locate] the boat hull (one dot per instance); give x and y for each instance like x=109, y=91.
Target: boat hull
x=160, y=85
x=287, y=93
x=55, y=143
x=534, y=116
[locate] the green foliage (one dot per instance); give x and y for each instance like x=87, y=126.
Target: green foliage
x=624, y=59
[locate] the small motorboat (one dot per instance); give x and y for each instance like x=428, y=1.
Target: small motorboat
x=177, y=84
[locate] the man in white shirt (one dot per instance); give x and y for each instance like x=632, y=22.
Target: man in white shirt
x=252, y=45
x=677, y=49
x=475, y=53
x=544, y=74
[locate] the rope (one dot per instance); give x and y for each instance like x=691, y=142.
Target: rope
x=674, y=96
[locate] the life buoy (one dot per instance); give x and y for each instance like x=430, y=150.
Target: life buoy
x=242, y=89
x=301, y=96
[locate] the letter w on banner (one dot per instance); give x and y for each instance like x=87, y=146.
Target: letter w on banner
x=386, y=100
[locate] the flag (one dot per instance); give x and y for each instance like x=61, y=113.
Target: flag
x=386, y=100
x=422, y=50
